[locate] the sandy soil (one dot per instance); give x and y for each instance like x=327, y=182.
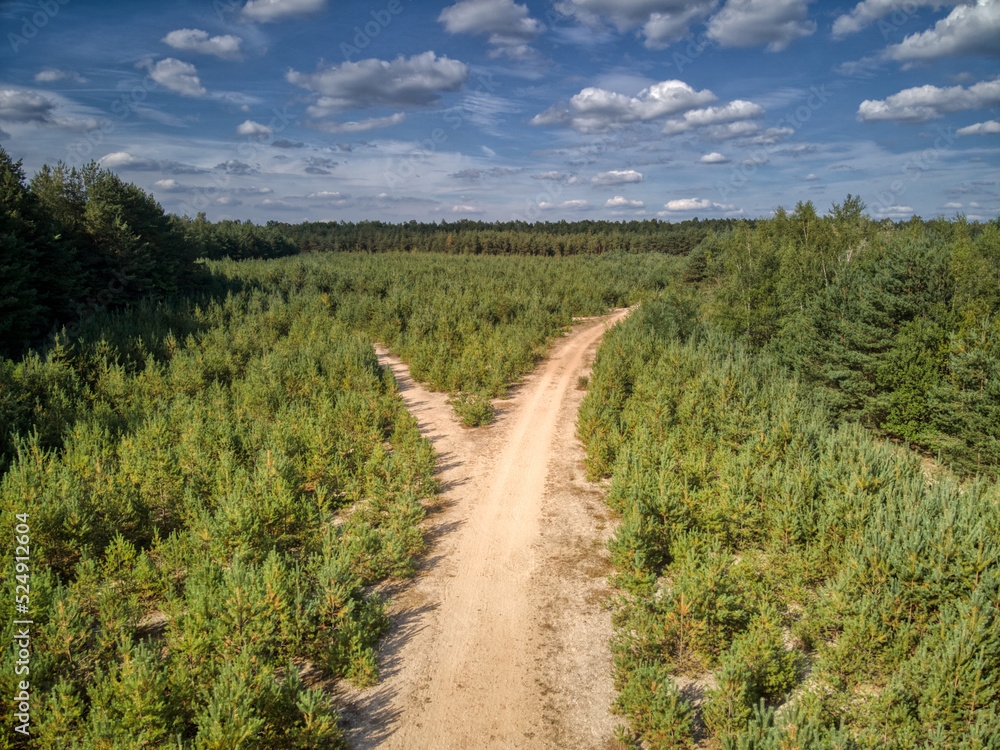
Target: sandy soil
x=501, y=641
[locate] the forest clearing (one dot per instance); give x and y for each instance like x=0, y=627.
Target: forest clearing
x=247, y=527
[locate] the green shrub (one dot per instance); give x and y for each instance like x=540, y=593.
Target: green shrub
x=474, y=409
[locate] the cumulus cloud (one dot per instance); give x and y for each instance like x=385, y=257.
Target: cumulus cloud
x=620, y=201
x=990, y=127
x=254, y=129
x=54, y=75
x=967, y=30
x=729, y=130
x=195, y=40
x=739, y=109
x=507, y=24
x=923, y=103
x=617, y=177
x=359, y=126
x=267, y=11
x=120, y=159
x=596, y=110
x=178, y=76
x=661, y=21
x=465, y=209
x=234, y=166
x=18, y=105
x=695, y=204
x=714, y=158
x=867, y=12
x=748, y=23
x=401, y=83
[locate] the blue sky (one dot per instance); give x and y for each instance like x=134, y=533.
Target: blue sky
x=496, y=109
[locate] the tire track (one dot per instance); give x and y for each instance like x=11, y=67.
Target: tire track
x=501, y=641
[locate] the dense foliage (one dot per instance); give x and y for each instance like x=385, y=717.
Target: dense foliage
x=785, y=583
x=209, y=489
x=212, y=482
x=894, y=326
x=471, y=324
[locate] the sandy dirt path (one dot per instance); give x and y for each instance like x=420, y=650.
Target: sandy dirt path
x=501, y=641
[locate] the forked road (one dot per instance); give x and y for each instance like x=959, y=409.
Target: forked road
x=501, y=641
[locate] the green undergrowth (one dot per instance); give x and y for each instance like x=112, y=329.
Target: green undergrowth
x=211, y=490
x=468, y=325
x=807, y=586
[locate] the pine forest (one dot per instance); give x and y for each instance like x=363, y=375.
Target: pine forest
x=796, y=428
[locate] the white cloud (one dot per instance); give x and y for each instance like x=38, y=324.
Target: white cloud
x=53, y=75
x=126, y=160
x=359, y=126
x=661, y=21
x=554, y=176
x=617, y=177
x=729, y=130
x=195, y=40
x=748, y=23
x=466, y=209
x=507, y=24
x=695, y=204
x=714, y=158
x=952, y=205
x=620, y=201
x=811, y=178
x=255, y=129
x=663, y=28
x=266, y=11
x=180, y=77
x=923, y=103
x=596, y=110
x=404, y=82
x=120, y=159
x=990, y=127
x=739, y=109
x=167, y=186
x=868, y=11
x=327, y=195
x=967, y=30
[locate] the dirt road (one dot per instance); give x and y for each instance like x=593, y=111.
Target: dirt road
x=501, y=641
